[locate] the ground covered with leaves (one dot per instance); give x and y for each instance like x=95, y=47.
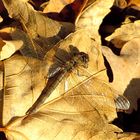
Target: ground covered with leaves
x=69, y=69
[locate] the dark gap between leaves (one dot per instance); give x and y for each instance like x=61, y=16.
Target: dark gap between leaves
x=113, y=21
x=109, y=70
x=2, y=136
x=129, y=122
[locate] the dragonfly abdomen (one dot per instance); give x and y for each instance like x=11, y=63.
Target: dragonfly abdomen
x=46, y=92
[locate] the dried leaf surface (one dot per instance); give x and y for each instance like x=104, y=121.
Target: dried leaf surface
x=56, y=5
x=10, y=48
x=92, y=17
x=125, y=33
x=56, y=125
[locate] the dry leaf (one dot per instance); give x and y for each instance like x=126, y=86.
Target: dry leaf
x=67, y=10
x=95, y=66
x=129, y=136
x=35, y=22
x=125, y=33
x=125, y=69
x=121, y=3
x=39, y=27
x=92, y=17
x=5, y=33
x=10, y=48
x=56, y=5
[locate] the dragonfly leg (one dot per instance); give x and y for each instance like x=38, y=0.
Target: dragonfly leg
x=80, y=75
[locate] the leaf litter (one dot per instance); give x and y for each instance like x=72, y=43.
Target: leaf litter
x=83, y=104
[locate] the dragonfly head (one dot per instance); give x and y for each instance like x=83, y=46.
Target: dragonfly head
x=83, y=59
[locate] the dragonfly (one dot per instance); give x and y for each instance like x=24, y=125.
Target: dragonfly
x=73, y=61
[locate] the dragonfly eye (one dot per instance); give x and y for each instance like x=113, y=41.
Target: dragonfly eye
x=84, y=59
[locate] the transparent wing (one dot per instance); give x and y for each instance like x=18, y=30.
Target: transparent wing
x=121, y=101
x=81, y=96
x=96, y=92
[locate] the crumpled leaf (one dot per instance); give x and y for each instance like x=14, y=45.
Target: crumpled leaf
x=95, y=65
x=35, y=21
x=92, y=17
x=125, y=33
x=8, y=46
x=125, y=69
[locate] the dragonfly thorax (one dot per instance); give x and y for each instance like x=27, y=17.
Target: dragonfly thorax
x=79, y=59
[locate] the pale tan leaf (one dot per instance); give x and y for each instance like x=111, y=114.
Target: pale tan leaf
x=125, y=33
x=65, y=10
x=125, y=69
x=10, y=48
x=121, y=3
x=1, y=19
x=92, y=17
x=56, y=5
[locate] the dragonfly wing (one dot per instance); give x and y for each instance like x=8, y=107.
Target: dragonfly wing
x=99, y=95
x=122, y=103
